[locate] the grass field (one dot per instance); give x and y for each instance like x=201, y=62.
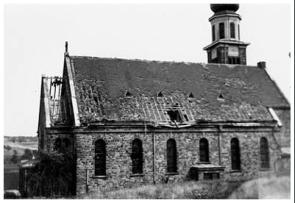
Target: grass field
x=271, y=187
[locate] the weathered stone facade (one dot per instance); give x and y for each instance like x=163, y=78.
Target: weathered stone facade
x=118, y=152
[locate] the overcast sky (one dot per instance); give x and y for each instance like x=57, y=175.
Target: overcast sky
x=35, y=36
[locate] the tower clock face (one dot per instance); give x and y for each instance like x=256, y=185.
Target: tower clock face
x=213, y=53
x=233, y=51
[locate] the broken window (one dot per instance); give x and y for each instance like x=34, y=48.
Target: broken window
x=174, y=116
x=100, y=158
x=264, y=153
x=171, y=156
x=235, y=154
x=204, y=150
x=137, y=156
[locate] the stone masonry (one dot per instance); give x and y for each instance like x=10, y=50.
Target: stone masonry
x=118, y=147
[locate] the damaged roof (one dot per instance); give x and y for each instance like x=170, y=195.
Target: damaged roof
x=128, y=90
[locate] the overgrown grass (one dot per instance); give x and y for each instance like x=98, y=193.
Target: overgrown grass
x=271, y=187
x=187, y=190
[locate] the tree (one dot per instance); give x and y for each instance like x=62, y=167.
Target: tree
x=14, y=157
x=27, y=154
x=7, y=147
x=53, y=174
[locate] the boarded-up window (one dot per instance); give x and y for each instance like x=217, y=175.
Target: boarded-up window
x=171, y=156
x=232, y=30
x=137, y=156
x=264, y=153
x=204, y=150
x=213, y=32
x=235, y=154
x=100, y=157
x=221, y=30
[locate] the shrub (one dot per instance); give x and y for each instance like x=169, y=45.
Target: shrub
x=53, y=175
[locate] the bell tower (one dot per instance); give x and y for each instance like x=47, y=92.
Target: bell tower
x=226, y=46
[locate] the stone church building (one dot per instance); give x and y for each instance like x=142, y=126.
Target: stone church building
x=136, y=122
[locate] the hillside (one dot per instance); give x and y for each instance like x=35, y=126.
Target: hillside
x=16, y=149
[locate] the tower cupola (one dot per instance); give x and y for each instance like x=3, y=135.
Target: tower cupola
x=226, y=46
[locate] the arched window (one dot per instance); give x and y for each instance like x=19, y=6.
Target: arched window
x=235, y=154
x=264, y=153
x=171, y=156
x=100, y=157
x=204, y=150
x=136, y=156
x=221, y=30
x=232, y=30
x=213, y=32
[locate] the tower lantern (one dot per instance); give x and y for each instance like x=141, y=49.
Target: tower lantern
x=226, y=46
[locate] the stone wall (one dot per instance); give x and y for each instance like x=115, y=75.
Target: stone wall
x=283, y=136
x=53, y=135
x=249, y=154
x=187, y=151
x=119, y=163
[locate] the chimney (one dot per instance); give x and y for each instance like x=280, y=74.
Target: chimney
x=261, y=64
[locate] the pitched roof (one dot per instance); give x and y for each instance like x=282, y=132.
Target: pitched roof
x=120, y=89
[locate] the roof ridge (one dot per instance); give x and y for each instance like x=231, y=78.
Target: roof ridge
x=163, y=61
x=136, y=59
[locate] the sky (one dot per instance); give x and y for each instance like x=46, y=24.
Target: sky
x=34, y=37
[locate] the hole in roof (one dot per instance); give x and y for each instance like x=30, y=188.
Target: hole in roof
x=191, y=95
x=95, y=99
x=220, y=96
x=174, y=116
x=160, y=94
x=185, y=117
x=128, y=94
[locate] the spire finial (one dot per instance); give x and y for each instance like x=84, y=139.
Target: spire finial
x=66, y=47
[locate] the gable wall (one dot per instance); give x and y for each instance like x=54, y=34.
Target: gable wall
x=66, y=103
